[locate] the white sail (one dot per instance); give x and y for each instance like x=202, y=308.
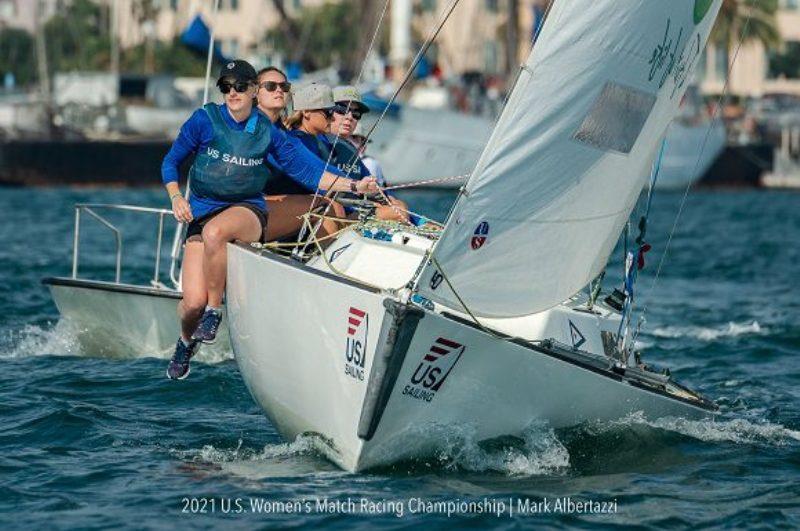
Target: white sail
x=569, y=156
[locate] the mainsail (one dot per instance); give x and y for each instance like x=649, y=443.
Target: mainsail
x=569, y=156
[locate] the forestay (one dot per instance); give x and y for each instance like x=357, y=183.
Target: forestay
x=570, y=154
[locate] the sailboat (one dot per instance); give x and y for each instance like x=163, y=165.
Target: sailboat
x=376, y=345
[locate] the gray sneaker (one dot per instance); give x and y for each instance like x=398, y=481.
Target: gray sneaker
x=178, y=367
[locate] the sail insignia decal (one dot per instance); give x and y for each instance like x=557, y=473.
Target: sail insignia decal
x=355, y=353
x=480, y=235
x=434, y=368
x=578, y=339
x=338, y=252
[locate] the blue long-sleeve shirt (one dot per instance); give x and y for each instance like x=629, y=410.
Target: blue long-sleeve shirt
x=197, y=133
x=311, y=142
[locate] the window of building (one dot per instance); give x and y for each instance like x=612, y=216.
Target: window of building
x=232, y=5
x=491, y=54
x=230, y=47
x=428, y=5
x=720, y=63
x=7, y=9
x=492, y=5
x=700, y=72
x=785, y=63
x=792, y=5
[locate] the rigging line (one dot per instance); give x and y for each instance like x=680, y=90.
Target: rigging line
x=462, y=190
x=714, y=118
x=420, y=55
x=461, y=301
x=406, y=78
x=417, y=59
x=333, y=195
x=176, y=252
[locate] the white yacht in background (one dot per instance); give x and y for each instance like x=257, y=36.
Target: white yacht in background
x=121, y=319
x=443, y=146
x=378, y=345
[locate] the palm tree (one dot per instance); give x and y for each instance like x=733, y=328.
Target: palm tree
x=733, y=16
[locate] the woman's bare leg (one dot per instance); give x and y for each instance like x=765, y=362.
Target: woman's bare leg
x=235, y=223
x=285, y=213
x=195, y=294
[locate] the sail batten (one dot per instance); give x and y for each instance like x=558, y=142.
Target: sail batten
x=569, y=156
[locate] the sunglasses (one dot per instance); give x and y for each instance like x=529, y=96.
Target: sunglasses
x=327, y=112
x=272, y=86
x=240, y=87
x=355, y=113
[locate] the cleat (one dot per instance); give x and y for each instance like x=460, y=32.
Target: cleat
x=208, y=326
x=178, y=367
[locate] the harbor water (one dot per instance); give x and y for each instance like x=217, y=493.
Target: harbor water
x=88, y=442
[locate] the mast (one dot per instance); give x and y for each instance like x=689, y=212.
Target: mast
x=42, y=66
x=400, y=52
x=114, y=31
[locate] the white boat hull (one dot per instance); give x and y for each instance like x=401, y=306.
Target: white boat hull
x=684, y=163
x=126, y=321
x=371, y=389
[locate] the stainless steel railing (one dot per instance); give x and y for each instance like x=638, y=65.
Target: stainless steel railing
x=90, y=208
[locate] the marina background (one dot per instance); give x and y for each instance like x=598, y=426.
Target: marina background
x=118, y=77
x=93, y=94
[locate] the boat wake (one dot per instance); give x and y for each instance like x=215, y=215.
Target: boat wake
x=273, y=460
x=537, y=453
x=710, y=333
x=737, y=430
x=33, y=340
x=66, y=339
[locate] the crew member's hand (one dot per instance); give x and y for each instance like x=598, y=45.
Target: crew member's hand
x=181, y=209
x=367, y=185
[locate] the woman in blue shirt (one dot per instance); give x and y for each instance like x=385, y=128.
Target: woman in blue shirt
x=288, y=200
x=314, y=111
x=230, y=142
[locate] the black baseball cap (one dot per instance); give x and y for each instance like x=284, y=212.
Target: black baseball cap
x=239, y=70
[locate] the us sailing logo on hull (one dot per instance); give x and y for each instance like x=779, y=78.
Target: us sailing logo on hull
x=434, y=369
x=355, y=353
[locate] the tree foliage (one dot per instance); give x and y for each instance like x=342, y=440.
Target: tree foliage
x=326, y=34
x=17, y=55
x=78, y=38
x=734, y=15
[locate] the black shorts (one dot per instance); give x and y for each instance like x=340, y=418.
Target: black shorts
x=195, y=230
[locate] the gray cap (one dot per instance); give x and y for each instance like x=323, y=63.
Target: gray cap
x=349, y=93
x=313, y=96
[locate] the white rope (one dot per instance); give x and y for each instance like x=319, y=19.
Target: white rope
x=427, y=182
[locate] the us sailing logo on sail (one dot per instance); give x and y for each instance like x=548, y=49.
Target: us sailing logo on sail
x=480, y=235
x=355, y=353
x=434, y=369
